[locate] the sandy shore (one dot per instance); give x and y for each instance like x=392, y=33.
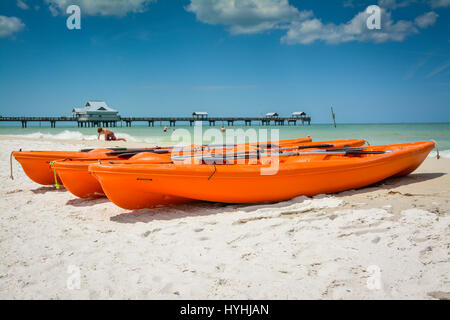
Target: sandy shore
x=388, y=241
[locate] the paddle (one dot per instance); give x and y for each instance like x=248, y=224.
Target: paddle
x=350, y=151
x=318, y=146
x=248, y=155
x=114, y=149
x=218, y=146
x=127, y=152
x=121, y=151
x=259, y=151
x=130, y=154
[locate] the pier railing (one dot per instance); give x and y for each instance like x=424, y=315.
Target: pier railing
x=171, y=121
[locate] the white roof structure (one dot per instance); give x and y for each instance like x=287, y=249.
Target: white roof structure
x=200, y=113
x=272, y=114
x=299, y=113
x=94, y=106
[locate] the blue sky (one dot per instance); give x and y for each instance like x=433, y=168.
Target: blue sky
x=228, y=57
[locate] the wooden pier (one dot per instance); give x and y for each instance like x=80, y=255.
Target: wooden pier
x=171, y=121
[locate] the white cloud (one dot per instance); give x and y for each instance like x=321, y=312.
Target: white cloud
x=439, y=69
x=10, y=25
x=100, y=7
x=439, y=3
x=255, y=16
x=394, y=4
x=246, y=16
x=426, y=20
x=349, y=3
x=309, y=31
x=416, y=67
x=22, y=5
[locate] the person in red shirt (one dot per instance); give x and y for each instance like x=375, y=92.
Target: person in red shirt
x=109, y=135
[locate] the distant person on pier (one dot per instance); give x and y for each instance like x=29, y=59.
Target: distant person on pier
x=109, y=135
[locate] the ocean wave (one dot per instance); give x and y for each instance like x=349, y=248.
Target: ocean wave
x=443, y=153
x=75, y=135
x=68, y=135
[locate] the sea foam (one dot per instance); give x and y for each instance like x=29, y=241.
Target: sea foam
x=442, y=153
x=68, y=135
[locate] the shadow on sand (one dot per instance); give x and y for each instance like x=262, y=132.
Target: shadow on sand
x=46, y=189
x=171, y=212
x=78, y=202
x=392, y=183
x=202, y=208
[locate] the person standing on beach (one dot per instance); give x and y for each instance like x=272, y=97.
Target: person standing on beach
x=109, y=135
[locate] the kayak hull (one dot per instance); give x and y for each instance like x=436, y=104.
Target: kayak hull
x=309, y=176
x=132, y=192
x=36, y=164
x=81, y=183
x=76, y=178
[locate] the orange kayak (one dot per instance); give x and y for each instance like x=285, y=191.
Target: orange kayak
x=36, y=164
x=76, y=178
x=140, y=185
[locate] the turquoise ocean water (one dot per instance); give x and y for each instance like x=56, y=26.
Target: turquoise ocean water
x=374, y=133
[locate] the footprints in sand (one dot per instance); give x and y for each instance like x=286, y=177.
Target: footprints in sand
x=149, y=232
x=376, y=240
x=363, y=232
x=242, y=221
x=106, y=231
x=243, y=237
x=220, y=267
x=248, y=256
x=14, y=191
x=283, y=214
x=202, y=238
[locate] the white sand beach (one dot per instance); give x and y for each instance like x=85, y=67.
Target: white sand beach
x=388, y=241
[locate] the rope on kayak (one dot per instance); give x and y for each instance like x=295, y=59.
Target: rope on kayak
x=57, y=186
x=311, y=146
x=215, y=169
x=10, y=166
x=437, y=149
x=368, y=143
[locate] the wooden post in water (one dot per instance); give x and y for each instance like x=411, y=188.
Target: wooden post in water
x=333, y=116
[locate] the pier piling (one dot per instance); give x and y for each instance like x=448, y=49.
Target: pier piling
x=230, y=121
